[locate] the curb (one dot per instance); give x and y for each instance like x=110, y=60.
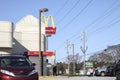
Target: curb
x=46, y=77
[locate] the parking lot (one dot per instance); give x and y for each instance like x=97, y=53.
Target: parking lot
x=78, y=78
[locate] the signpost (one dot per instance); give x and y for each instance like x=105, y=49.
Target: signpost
x=89, y=64
x=50, y=30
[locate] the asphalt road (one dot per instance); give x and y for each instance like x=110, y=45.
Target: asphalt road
x=78, y=78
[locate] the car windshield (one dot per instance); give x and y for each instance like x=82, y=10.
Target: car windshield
x=14, y=62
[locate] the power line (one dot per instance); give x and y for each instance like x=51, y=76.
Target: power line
x=76, y=16
x=93, y=22
x=110, y=25
x=58, y=11
x=70, y=10
x=94, y=51
x=107, y=26
x=109, y=42
x=107, y=13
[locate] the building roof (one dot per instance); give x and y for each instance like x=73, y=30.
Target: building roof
x=29, y=23
x=28, y=20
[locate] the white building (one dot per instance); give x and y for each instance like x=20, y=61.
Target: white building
x=26, y=33
x=25, y=37
x=6, y=37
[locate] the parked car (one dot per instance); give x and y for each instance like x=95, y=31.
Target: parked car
x=117, y=70
x=100, y=71
x=110, y=71
x=105, y=71
x=17, y=68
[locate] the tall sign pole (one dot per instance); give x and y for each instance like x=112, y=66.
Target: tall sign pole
x=84, y=49
x=40, y=54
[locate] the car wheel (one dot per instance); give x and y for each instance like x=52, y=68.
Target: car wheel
x=117, y=77
x=102, y=74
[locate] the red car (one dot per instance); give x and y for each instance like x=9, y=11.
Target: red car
x=17, y=68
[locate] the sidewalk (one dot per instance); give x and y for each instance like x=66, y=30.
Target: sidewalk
x=40, y=77
x=53, y=77
x=75, y=78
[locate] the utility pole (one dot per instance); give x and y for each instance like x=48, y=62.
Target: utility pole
x=84, y=49
x=67, y=47
x=73, y=59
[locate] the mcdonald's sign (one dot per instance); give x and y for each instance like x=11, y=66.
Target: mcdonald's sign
x=48, y=53
x=49, y=30
x=36, y=53
x=33, y=53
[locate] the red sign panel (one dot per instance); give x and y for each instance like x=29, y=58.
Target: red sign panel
x=50, y=30
x=33, y=53
x=48, y=53
x=36, y=53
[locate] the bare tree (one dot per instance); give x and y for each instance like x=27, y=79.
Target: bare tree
x=77, y=58
x=106, y=58
x=114, y=51
x=109, y=55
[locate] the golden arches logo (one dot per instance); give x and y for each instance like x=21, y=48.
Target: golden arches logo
x=49, y=29
x=47, y=19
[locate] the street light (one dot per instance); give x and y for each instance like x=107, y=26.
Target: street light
x=40, y=54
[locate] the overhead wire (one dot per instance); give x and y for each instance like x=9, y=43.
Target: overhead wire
x=93, y=22
x=63, y=6
x=106, y=13
x=92, y=52
x=116, y=22
x=99, y=29
x=67, y=12
x=70, y=10
x=107, y=27
x=98, y=49
x=95, y=19
x=76, y=16
x=112, y=22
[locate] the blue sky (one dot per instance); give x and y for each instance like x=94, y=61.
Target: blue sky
x=100, y=19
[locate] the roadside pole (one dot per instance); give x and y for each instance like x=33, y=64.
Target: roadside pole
x=84, y=49
x=67, y=47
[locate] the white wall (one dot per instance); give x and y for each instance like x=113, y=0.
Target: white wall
x=26, y=38
x=6, y=34
x=26, y=33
